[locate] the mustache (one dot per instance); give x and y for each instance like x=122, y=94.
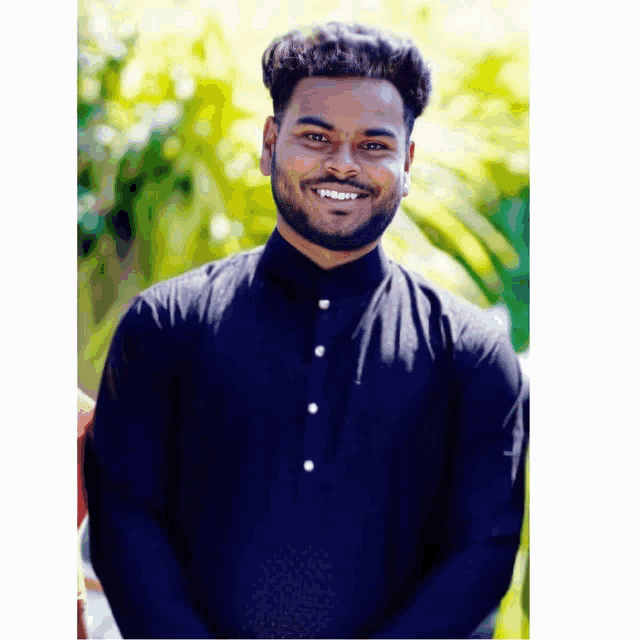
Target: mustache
x=333, y=180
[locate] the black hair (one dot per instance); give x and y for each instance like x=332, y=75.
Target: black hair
x=340, y=50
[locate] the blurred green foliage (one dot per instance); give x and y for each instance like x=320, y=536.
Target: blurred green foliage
x=170, y=115
x=513, y=615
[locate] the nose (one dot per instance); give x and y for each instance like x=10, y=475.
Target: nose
x=342, y=164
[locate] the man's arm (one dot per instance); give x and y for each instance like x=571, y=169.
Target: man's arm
x=485, y=503
x=126, y=468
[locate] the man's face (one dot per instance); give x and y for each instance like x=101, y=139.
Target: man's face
x=345, y=137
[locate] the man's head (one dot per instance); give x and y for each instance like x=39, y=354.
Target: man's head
x=345, y=99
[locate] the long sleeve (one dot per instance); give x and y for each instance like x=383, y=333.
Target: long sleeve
x=126, y=472
x=485, y=501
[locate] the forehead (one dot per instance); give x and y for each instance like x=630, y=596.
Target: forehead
x=347, y=103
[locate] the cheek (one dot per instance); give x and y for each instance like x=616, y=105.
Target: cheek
x=388, y=178
x=297, y=164
x=303, y=164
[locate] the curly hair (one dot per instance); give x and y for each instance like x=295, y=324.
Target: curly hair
x=339, y=50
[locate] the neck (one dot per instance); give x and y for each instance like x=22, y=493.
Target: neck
x=324, y=258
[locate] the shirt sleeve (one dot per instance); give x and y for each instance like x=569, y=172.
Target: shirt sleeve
x=485, y=503
x=126, y=470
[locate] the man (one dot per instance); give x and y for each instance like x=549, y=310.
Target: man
x=306, y=440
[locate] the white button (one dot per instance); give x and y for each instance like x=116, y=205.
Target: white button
x=308, y=465
x=313, y=407
x=319, y=351
x=323, y=304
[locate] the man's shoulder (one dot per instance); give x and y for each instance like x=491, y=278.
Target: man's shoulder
x=176, y=298
x=468, y=327
x=460, y=312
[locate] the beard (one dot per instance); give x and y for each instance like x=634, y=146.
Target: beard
x=301, y=221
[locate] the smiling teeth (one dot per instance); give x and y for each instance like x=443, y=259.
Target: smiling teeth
x=337, y=195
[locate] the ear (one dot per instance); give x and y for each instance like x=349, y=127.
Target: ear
x=269, y=137
x=408, y=161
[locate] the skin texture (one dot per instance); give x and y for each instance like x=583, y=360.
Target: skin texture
x=343, y=149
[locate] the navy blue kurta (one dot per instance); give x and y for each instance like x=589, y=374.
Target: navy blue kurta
x=283, y=451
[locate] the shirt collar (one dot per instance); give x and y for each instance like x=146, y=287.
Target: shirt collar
x=293, y=269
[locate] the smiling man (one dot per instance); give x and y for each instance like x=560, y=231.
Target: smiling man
x=341, y=165
x=306, y=440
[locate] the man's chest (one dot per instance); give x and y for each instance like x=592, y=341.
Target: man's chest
x=325, y=378
x=327, y=421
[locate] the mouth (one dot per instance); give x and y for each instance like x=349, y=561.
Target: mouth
x=339, y=197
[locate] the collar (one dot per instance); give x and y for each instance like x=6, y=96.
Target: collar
x=304, y=277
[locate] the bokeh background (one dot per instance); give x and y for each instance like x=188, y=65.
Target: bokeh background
x=170, y=113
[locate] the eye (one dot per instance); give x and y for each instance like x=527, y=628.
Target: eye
x=315, y=137
x=374, y=146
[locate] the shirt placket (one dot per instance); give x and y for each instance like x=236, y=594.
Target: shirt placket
x=316, y=426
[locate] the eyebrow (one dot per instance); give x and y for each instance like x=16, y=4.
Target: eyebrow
x=318, y=122
x=376, y=133
x=369, y=133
